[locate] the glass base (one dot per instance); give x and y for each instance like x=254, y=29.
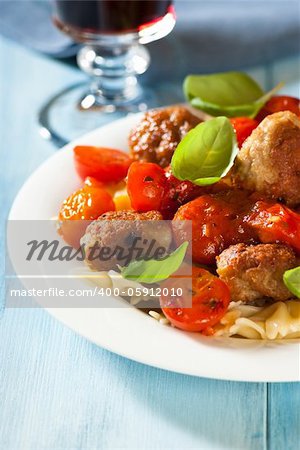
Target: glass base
x=74, y=112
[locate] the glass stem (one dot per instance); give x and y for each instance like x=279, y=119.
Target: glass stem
x=113, y=71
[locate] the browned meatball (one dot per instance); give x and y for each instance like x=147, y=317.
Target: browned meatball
x=131, y=215
x=156, y=137
x=120, y=231
x=269, y=160
x=254, y=272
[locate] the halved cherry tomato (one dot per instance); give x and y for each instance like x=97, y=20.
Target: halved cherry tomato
x=85, y=205
x=280, y=103
x=177, y=193
x=210, y=300
x=243, y=127
x=145, y=186
x=217, y=222
x=104, y=164
x=276, y=223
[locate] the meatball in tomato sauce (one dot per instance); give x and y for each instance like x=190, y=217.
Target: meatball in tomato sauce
x=156, y=137
x=117, y=231
x=256, y=272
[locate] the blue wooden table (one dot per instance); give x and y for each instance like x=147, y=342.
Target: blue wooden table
x=58, y=391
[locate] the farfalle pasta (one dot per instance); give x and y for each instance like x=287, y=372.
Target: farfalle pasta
x=281, y=320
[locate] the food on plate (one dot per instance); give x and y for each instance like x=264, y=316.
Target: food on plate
x=156, y=137
x=269, y=160
x=235, y=179
x=206, y=154
x=235, y=216
x=210, y=300
x=85, y=204
x=146, y=185
x=122, y=201
x=280, y=320
x=104, y=164
x=275, y=222
x=218, y=221
x=120, y=229
x=230, y=94
x=243, y=127
x=178, y=192
x=253, y=272
x=280, y=103
x=150, y=187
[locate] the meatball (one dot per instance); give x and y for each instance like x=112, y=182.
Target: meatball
x=109, y=240
x=131, y=215
x=269, y=160
x=256, y=271
x=156, y=137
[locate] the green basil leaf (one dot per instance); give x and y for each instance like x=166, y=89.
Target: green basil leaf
x=291, y=279
x=250, y=110
x=153, y=271
x=206, y=153
x=225, y=89
x=231, y=94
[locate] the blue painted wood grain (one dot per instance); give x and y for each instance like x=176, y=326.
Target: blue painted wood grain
x=58, y=391
x=284, y=416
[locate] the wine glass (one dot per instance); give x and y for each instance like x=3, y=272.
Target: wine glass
x=113, y=55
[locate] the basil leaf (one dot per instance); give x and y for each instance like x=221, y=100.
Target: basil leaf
x=231, y=94
x=228, y=88
x=153, y=271
x=247, y=110
x=206, y=153
x=291, y=279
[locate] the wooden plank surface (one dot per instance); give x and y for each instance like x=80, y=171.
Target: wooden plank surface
x=61, y=392
x=283, y=416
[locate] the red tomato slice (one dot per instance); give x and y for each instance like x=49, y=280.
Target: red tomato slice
x=210, y=300
x=280, y=103
x=217, y=222
x=243, y=127
x=177, y=193
x=104, y=164
x=84, y=205
x=276, y=223
x=145, y=186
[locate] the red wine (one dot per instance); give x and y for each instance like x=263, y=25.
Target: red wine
x=109, y=16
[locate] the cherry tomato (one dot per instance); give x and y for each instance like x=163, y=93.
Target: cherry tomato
x=280, y=103
x=217, y=222
x=243, y=127
x=84, y=205
x=178, y=193
x=145, y=186
x=276, y=223
x=103, y=164
x=210, y=300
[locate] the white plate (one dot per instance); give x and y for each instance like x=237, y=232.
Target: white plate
x=130, y=332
